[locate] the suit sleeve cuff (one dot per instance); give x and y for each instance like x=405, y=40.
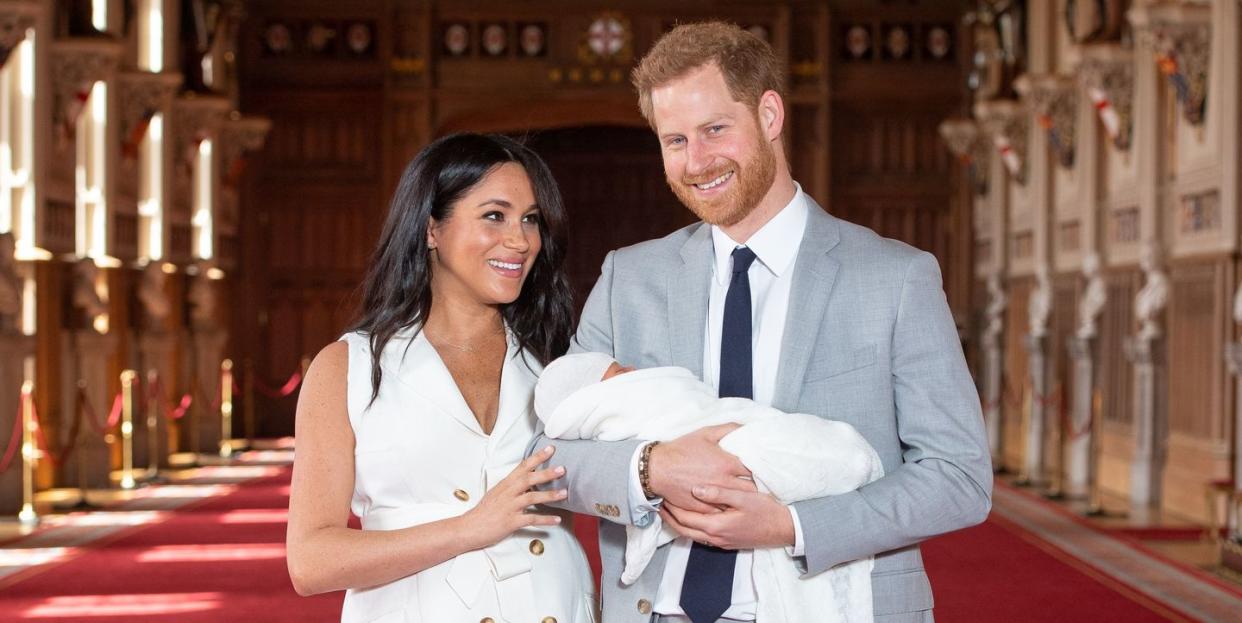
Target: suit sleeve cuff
x=642, y=510
x=799, y=547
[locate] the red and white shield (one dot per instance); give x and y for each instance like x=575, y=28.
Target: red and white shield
x=532, y=39
x=457, y=39
x=495, y=39
x=606, y=36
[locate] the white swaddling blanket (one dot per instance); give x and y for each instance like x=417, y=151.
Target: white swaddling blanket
x=792, y=456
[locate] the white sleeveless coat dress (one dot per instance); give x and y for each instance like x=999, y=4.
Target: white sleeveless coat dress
x=421, y=456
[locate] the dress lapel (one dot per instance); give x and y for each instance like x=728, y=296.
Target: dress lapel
x=421, y=370
x=815, y=272
x=687, y=301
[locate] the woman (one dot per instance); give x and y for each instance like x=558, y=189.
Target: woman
x=417, y=421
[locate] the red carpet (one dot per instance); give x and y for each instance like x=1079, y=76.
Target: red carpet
x=998, y=572
x=223, y=560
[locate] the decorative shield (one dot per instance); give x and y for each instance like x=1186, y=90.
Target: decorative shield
x=495, y=39
x=533, y=39
x=457, y=39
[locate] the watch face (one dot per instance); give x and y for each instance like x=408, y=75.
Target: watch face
x=457, y=39
x=495, y=39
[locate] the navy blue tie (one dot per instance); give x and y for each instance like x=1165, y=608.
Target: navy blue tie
x=707, y=589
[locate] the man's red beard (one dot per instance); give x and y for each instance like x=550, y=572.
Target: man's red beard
x=750, y=184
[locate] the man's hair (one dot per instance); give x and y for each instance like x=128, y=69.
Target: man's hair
x=749, y=65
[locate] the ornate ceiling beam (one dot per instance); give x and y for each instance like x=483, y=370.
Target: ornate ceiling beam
x=16, y=17
x=142, y=95
x=967, y=141
x=77, y=64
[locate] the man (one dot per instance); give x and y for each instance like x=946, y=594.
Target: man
x=773, y=299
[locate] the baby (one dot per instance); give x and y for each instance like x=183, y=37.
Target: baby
x=793, y=456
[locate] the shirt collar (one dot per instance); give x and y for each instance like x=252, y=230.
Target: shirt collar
x=775, y=244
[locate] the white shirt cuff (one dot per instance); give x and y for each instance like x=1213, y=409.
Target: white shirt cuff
x=642, y=510
x=799, y=548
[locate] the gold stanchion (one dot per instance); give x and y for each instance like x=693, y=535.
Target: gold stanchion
x=30, y=455
x=1095, y=506
x=226, y=408
x=1024, y=477
x=153, y=425
x=248, y=400
x=127, y=428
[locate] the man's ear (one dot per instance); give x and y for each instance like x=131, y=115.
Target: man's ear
x=771, y=114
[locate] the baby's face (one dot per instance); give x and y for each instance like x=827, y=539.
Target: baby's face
x=614, y=370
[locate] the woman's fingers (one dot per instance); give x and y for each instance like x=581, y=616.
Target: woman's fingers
x=535, y=460
x=542, y=497
x=545, y=476
x=534, y=519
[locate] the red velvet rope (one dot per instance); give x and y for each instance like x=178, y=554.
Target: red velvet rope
x=60, y=459
x=92, y=418
x=15, y=440
x=289, y=387
x=156, y=394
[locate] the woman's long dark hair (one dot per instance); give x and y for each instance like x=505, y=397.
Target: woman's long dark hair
x=397, y=289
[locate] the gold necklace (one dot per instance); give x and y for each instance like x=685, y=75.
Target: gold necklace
x=465, y=348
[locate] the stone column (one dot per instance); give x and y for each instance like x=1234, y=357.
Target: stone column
x=86, y=348
x=1080, y=468
x=208, y=340
x=1146, y=352
x=1146, y=355
x=994, y=367
x=1233, y=356
x=1039, y=308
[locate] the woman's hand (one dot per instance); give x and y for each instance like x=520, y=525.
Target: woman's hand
x=502, y=511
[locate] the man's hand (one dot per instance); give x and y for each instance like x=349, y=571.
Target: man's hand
x=750, y=519
x=694, y=459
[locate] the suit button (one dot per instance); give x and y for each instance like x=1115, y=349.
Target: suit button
x=461, y=495
x=644, y=606
x=548, y=620
x=536, y=547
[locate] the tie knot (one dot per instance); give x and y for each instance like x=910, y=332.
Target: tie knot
x=742, y=259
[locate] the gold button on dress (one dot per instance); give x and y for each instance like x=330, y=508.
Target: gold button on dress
x=536, y=547
x=644, y=606
x=461, y=495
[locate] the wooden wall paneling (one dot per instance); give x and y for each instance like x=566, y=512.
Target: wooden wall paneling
x=1200, y=406
x=1062, y=326
x=1016, y=378
x=1115, y=379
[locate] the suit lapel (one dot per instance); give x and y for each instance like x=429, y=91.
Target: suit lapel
x=815, y=272
x=687, y=301
x=422, y=370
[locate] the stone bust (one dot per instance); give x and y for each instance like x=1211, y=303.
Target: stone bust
x=1151, y=300
x=1094, y=296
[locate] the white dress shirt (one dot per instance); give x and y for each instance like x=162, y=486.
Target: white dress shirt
x=775, y=246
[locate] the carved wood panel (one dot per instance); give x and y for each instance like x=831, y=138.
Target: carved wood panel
x=1064, y=322
x=1115, y=378
x=1015, y=379
x=1198, y=324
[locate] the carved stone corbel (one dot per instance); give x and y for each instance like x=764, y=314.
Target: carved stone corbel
x=195, y=118
x=1054, y=100
x=238, y=135
x=1007, y=124
x=967, y=142
x=1180, y=36
x=77, y=64
x=142, y=95
x=1107, y=76
x=16, y=17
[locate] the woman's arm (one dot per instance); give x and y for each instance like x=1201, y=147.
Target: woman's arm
x=324, y=554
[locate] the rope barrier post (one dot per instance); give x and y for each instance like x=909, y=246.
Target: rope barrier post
x=153, y=424
x=1095, y=506
x=226, y=408
x=248, y=400
x=30, y=454
x=1024, y=476
x=1056, y=490
x=127, y=428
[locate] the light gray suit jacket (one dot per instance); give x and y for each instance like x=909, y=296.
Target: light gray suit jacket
x=869, y=340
